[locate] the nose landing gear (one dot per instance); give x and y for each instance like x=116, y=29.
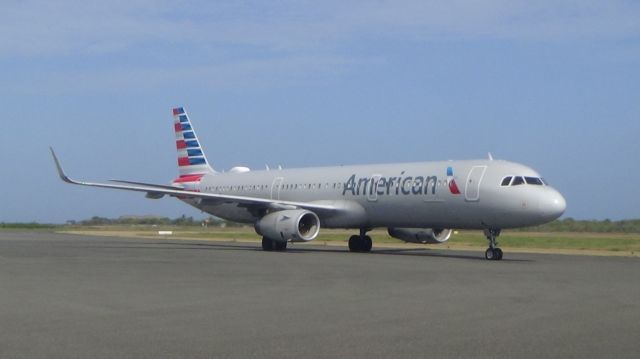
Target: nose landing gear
x=493, y=252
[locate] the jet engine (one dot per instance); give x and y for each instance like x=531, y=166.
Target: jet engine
x=297, y=225
x=421, y=235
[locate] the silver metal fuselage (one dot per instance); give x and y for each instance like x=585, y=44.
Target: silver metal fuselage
x=413, y=195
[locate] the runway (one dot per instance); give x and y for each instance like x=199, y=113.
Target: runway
x=66, y=296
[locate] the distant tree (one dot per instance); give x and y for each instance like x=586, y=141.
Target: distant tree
x=185, y=221
x=96, y=221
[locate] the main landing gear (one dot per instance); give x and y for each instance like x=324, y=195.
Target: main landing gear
x=360, y=243
x=269, y=244
x=493, y=253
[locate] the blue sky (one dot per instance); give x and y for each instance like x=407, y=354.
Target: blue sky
x=551, y=84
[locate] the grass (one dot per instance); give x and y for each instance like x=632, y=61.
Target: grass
x=604, y=242
x=562, y=240
x=27, y=226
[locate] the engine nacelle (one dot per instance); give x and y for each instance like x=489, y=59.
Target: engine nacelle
x=296, y=225
x=421, y=235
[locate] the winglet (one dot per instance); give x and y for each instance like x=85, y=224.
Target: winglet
x=61, y=173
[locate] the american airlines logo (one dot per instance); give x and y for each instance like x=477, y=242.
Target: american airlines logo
x=453, y=186
x=409, y=185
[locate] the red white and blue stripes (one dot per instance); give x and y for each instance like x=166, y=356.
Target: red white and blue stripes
x=191, y=159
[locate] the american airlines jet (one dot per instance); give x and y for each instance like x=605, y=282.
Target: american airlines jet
x=417, y=202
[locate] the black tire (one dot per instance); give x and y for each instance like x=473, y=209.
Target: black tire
x=354, y=244
x=490, y=254
x=280, y=246
x=267, y=244
x=498, y=254
x=367, y=244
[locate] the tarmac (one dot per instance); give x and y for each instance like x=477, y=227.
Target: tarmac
x=74, y=296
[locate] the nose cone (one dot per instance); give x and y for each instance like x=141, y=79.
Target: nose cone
x=553, y=205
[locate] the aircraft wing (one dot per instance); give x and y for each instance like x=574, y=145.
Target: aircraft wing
x=156, y=191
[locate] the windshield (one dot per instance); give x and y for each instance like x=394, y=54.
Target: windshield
x=520, y=180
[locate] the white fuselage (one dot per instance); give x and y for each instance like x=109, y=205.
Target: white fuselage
x=415, y=195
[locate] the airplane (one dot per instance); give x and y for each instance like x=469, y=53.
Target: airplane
x=417, y=202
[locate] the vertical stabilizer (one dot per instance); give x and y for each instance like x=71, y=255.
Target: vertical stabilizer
x=191, y=158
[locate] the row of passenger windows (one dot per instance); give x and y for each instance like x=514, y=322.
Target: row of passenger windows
x=519, y=180
x=264, y=187
x=294, y=186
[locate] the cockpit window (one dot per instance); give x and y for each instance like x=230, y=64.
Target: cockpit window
x=520, y=180
x=517, y=181
x=534, y=180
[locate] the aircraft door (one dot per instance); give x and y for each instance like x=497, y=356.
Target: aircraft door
x=472, y=187
x=275, y=188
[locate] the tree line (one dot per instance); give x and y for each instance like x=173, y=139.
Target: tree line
x=183, y=221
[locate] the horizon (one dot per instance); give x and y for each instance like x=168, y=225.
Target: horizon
x=207, y=216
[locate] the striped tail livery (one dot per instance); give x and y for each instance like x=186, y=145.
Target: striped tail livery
x=191, y=158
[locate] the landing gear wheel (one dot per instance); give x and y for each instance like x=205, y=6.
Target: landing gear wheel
x=490, y=254
x=354, y=244
x=267, y=244
x=493, y=252
x=280, y=246
x=367, y=243
x=360, y=243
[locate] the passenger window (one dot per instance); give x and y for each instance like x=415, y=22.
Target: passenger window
x=506, y=181
x=517, y=181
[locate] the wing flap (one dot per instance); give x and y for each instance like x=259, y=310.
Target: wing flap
x=145, y=184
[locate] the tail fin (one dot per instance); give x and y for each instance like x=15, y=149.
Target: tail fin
x=191, y=158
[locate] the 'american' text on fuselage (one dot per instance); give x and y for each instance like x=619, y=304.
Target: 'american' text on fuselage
x=380, y=185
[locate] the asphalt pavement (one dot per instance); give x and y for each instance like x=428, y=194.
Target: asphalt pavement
x=71, y=296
